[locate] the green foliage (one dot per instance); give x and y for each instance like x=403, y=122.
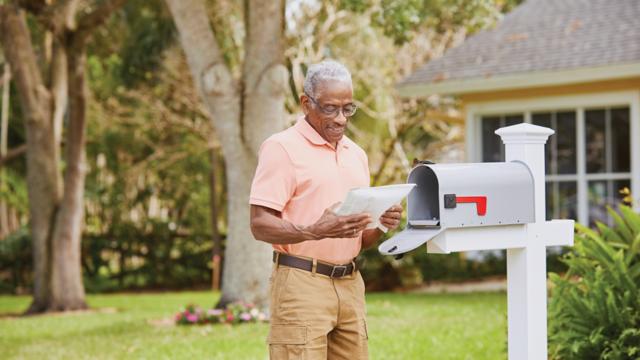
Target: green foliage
x=150, y=32
x=147, y=195
x=125, y=258
x=13, y=190
x=16, y=133
x=595, y=306
x=397, y=18
x=147, y=199
x=103, y=75
x=15, y=262
x=401, y=20
x=129, y=256
x=134, y=46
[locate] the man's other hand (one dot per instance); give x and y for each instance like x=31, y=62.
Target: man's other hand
x=331, y=225
x=391, y=218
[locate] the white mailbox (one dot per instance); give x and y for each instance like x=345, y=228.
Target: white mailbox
x=486, y=206
x=463, y=195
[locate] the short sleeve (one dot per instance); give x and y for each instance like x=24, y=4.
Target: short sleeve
x=365, y=162
x=274, y=182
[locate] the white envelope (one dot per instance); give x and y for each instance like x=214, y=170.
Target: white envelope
x=374, y=201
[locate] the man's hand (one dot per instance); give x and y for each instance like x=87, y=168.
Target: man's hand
x=331, y=225
x=391, y=218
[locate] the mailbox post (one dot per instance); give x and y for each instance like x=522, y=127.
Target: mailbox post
x=487, y=206
x=527, y=266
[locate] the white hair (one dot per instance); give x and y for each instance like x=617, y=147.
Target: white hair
x=323, y=71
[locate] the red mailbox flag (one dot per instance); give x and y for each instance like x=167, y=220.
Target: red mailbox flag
x=481, y=202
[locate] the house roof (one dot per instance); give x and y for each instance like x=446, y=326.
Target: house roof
x=541, y=42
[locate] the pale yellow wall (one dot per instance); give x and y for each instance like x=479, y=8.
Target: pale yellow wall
x=573, y=89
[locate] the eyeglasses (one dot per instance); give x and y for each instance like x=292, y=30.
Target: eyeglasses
x=333, y=110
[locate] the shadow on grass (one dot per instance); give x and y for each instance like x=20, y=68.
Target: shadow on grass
x=90, y=311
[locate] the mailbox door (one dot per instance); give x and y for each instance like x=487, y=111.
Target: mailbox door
x=422, y=202
x=407, y=240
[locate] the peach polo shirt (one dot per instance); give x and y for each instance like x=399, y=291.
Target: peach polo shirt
x=300, y=174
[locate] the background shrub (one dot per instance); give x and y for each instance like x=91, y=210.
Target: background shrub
x=595, y=306
x=15, y=262
x=126, y=258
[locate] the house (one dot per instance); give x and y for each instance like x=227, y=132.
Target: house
x=571, y=65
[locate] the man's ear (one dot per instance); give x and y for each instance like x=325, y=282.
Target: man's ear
x=305, y=104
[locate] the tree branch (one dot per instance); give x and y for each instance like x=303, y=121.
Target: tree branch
x=264, y=73
x=213, y=79
x=18, y=49
x=13, y=153
x=197, y=39
x=51, y=16
x=35, y=7
x=97, y=17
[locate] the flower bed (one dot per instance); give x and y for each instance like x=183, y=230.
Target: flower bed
x=234, y=313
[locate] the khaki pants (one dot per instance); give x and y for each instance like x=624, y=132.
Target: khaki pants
x=316, y=317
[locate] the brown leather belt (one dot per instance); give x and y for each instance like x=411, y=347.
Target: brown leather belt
x=332, y=271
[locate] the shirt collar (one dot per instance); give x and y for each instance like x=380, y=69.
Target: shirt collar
x=304, y=128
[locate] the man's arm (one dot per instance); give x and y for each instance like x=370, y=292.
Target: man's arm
x=267, y=225
x=390, y=219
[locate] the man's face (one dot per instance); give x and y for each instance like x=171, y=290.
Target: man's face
x=330, y=95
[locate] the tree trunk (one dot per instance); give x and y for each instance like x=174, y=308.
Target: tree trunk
x=43, y=179
x=244, y=112
x=56, y=213
x=67, y=290
x=59, y=89
x=4, y=138
x=216, y=256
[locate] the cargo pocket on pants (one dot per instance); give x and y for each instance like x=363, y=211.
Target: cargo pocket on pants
x=363, y=329
x=287, y=341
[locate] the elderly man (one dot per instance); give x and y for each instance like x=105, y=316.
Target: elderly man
x=317, y=292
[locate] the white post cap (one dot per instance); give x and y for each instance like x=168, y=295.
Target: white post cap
x=524, y=134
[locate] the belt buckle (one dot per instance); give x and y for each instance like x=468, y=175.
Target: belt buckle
x=340, y=267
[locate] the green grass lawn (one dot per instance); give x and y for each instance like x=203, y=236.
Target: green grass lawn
x=401, y=326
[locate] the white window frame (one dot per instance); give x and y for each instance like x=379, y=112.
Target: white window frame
x=578, y=103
